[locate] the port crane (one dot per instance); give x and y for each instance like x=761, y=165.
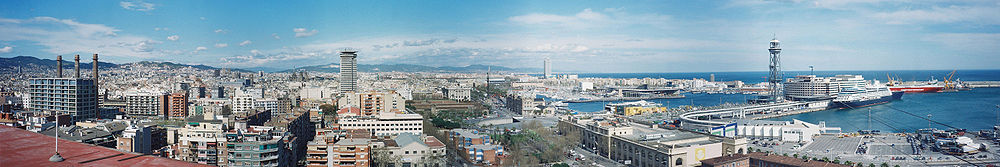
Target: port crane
x=948, y=83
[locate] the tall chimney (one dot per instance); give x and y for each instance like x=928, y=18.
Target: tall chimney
x=77, y=59
x=59, y=66
x=95, y=70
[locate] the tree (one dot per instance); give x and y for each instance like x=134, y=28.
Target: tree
x=871, y=165
x=849, y=163
x=884, y=165
x=328, y=109
x=795, y=155
x=836, y=161
x=560, y=165
x=382, y=157
x=825, y=159
x=227, y=110
x=785, y=154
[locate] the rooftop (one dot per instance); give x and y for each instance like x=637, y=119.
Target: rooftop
x=25, y=148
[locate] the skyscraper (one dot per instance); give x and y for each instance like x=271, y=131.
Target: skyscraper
x=548, y=68
x=348, y=71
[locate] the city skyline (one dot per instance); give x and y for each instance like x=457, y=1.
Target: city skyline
x=586, y=36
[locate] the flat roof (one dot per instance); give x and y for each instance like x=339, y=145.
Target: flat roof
x=25, y=148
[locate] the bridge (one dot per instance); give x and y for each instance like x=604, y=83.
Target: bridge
x=705, y=119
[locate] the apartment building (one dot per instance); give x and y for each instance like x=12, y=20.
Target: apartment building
x=373, y=102
x=477, y=148
x=74, y=96
x=145, y=103
x=177, y=106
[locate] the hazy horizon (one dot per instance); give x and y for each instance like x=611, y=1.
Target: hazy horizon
x=588, y=36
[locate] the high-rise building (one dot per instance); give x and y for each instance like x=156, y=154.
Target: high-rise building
x=548, y=68
x=255, y=146
x=177, y=105
x=348, y=71
x=74, y=96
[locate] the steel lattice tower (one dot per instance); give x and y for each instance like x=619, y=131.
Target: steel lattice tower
x=775, y=77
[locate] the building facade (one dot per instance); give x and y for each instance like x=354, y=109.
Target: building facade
x=177, y=107
x=458, y=93
x=145, y=103
x=374, y=102
x=74, y=96
x=348, y=71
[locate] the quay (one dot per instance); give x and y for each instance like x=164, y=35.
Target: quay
x=609, y=99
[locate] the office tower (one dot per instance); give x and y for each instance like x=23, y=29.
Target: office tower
x=348, y=71
x=548, y=68
x=711, y=77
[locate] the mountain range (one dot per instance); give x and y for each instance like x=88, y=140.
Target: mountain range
x=29, y=62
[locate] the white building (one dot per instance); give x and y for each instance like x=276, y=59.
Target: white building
x=381, y=124
x=458, y=93
x=787, y=131
x=585, y=86
x=810, y=87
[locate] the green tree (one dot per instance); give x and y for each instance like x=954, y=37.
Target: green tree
x=836, y=161
x=560, y=165
x=884, y=165
x=795, y=155
x=328, y=109
x=785, y=154
x=382, y=157
x=227, y=110
x=871, y=165
x=825, y=159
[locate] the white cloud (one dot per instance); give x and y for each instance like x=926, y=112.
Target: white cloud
x=199, y=49
x=976, y=14
x=173, y=38
x=275, y=35
x=6, y=49
x=202, y=18
x=302, y=32
x=220, y=31
x=254, y=52
x=221, y=45
x=589, y=18
x=137, y=5
x=64, y=36
x=245, y=43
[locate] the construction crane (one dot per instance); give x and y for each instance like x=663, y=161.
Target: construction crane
x=947, y=81
x=891, y=82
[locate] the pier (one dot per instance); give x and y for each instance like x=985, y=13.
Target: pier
x=982, y=84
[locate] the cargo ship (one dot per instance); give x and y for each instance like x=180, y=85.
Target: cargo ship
x=917, y=88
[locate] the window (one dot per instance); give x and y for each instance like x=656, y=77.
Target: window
x=679, y=162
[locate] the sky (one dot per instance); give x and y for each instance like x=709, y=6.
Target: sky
x=578, y=36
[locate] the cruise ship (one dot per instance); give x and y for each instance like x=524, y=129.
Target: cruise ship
x=855, y=93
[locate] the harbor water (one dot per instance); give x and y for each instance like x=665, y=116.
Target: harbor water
x=973, y=109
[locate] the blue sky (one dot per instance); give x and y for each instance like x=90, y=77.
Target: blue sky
x=588, y=36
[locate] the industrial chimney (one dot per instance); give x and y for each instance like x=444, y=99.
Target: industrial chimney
x=77, y=59
x=95, y=69
x=59, y=66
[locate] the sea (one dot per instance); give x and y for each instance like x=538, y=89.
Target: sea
x=973, y=110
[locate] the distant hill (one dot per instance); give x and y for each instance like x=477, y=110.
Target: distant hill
x=33, y=62
x=333, y=67
x=28, y=62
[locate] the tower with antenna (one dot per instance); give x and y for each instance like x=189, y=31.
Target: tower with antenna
x=774, y=78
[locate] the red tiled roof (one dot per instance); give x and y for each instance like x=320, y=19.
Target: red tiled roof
x=433, y=142
x=19, y=147
x=351, y=110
